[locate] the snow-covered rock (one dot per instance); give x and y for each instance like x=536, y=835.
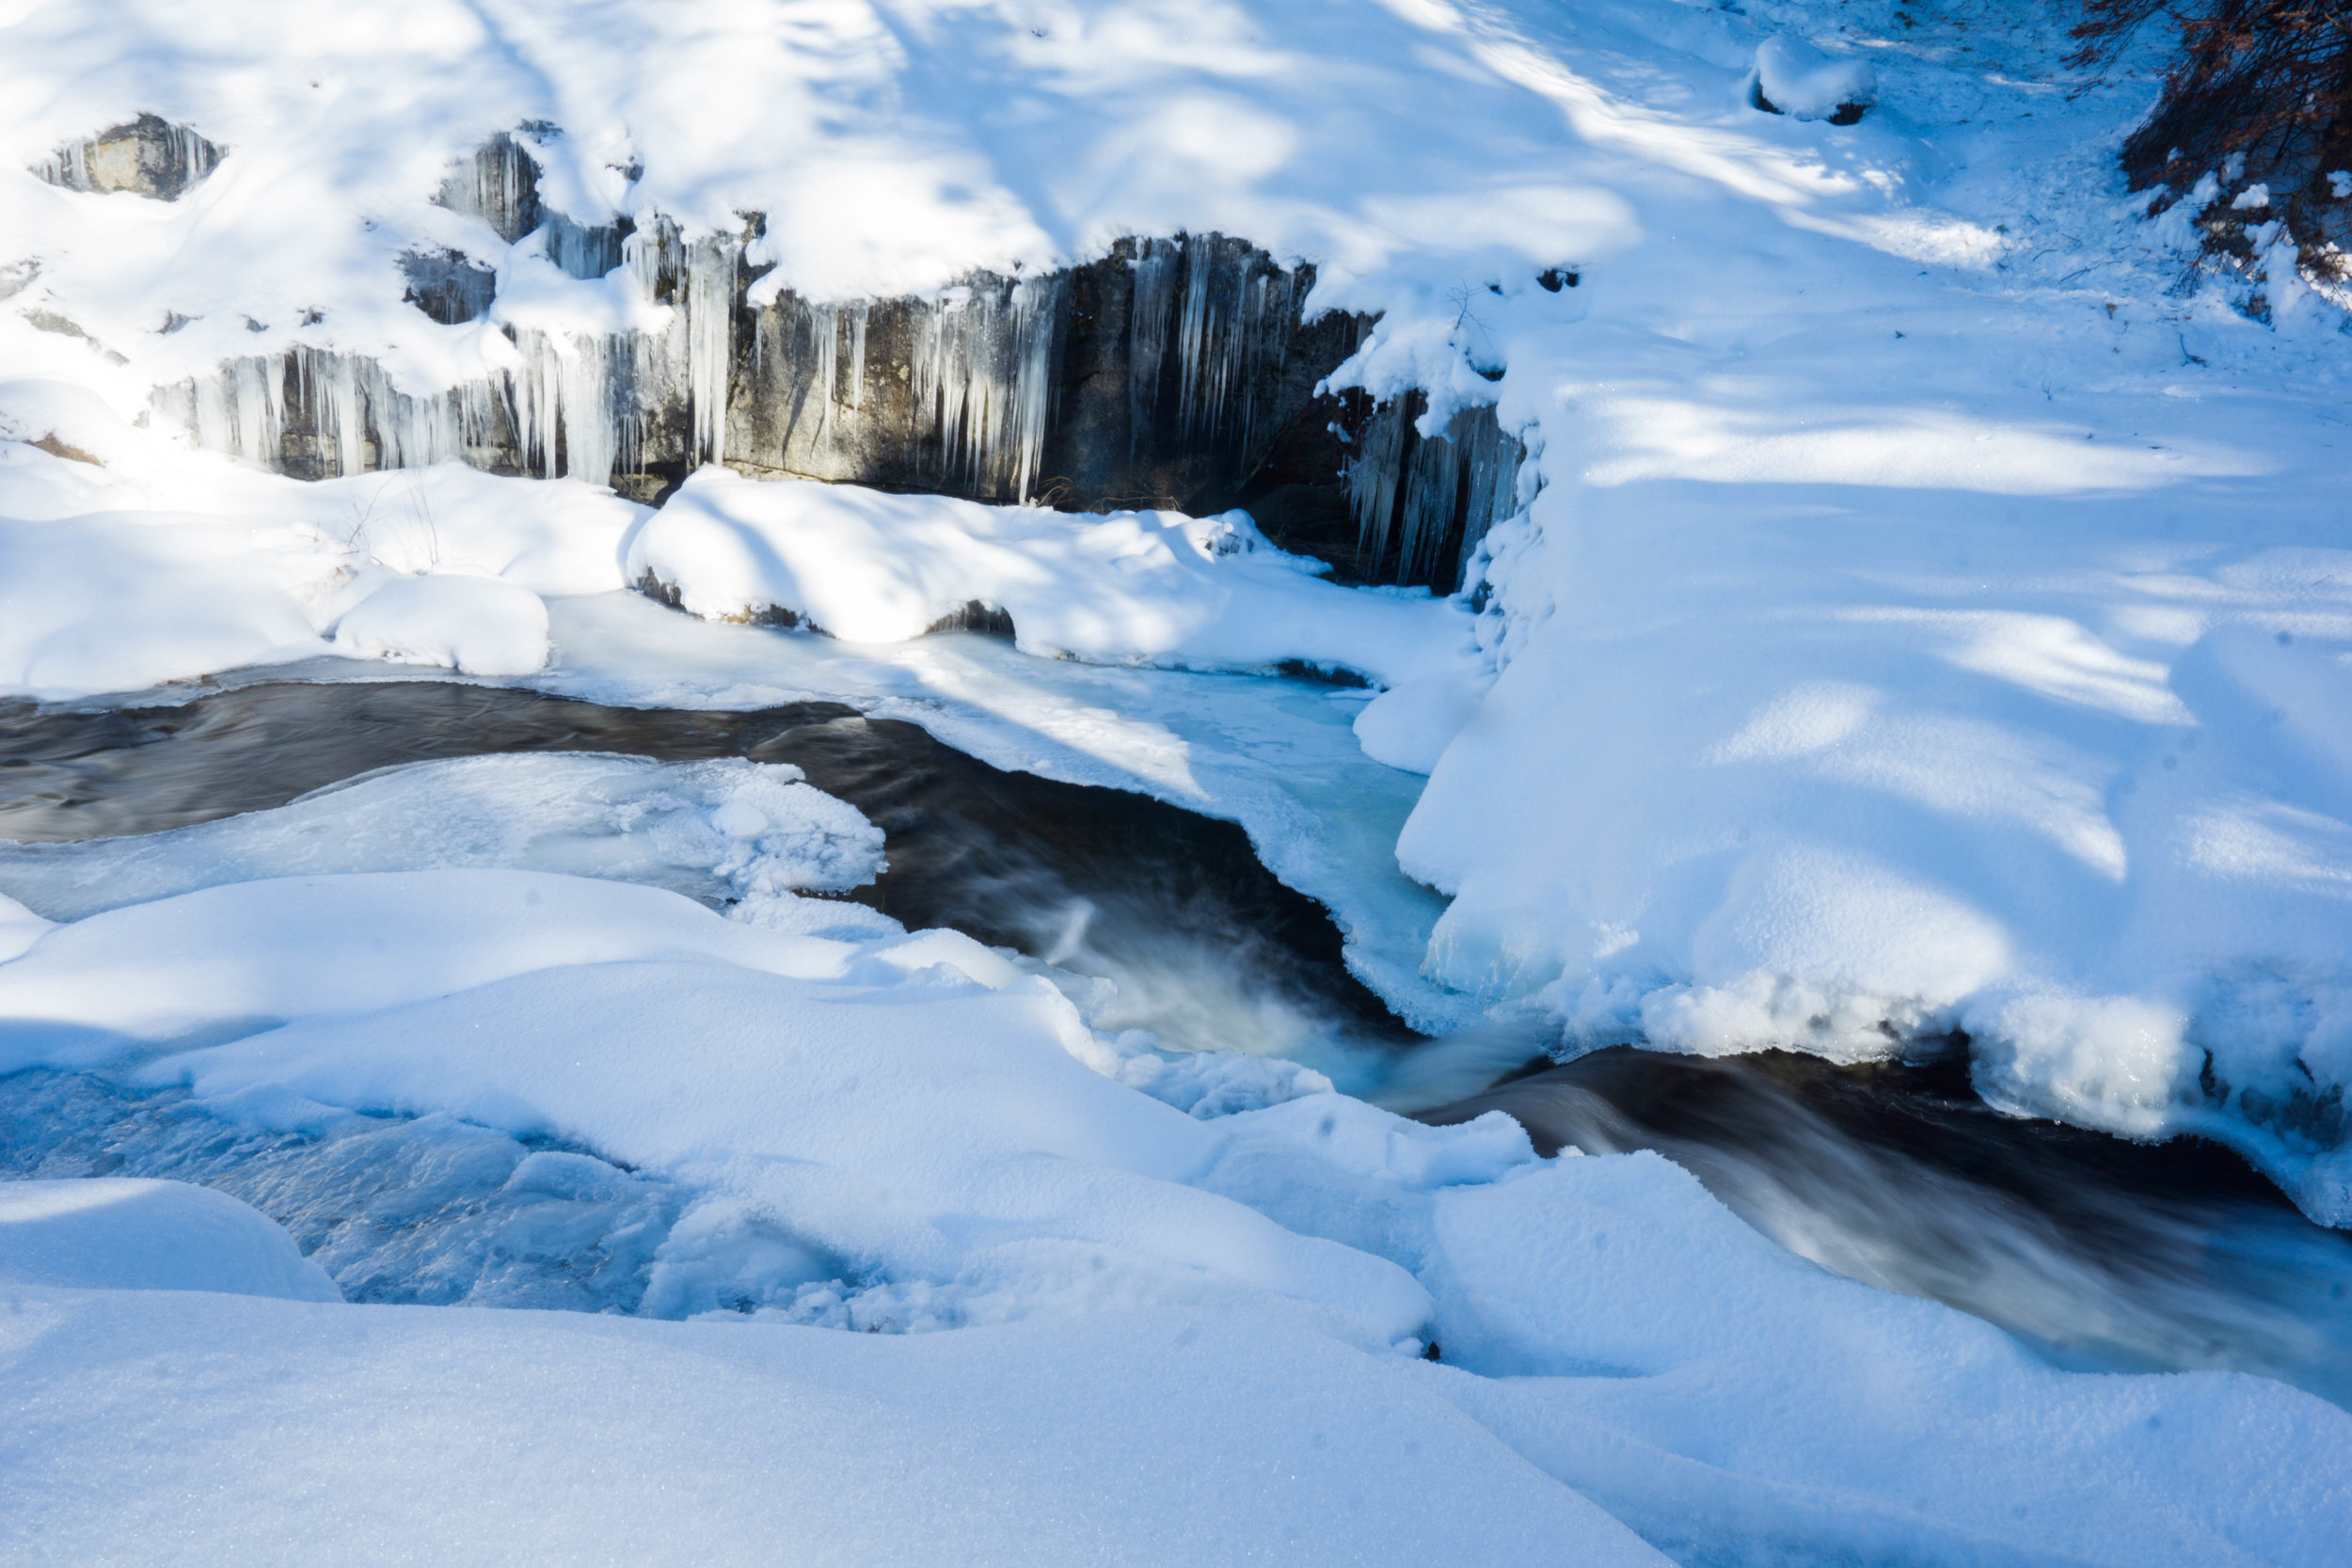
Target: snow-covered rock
x=475, y=626
x=1794, y=78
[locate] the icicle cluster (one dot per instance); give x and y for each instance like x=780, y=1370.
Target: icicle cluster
x=1424, y=503
x=323, y=414
x=983, y=368
x=1227, y=313
x=960, y=391
x=150, y=156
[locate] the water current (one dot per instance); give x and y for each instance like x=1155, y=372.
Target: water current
x=2097, y=1252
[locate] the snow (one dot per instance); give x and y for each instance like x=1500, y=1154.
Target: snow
x=1928, y=617
x=479, y=626
x=749, y=833
x=19, y=928
x=571, y=1438
x=1130, y=587
x=1798, y=80
x=910, y=1136
x=116, y=1233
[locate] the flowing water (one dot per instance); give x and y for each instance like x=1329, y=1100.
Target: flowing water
x=2100, y=1253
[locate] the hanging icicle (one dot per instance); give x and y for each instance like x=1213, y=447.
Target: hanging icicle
x=1158, y=266
x=1421, y=490
x=710, y=292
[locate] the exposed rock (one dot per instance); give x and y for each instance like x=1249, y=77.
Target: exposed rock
x=150, y=156
x=500, y=184
x=449, y=285
x=55, y=447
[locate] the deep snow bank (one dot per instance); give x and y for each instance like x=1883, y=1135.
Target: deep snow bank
x=903, y=1133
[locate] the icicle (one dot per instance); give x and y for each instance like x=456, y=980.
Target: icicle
x=1157, y=262
x=710, y=265
x=499, y=185
x=591, y=419
x=538, y=402
x=215, y=427
x=858, y=313
x=335, y=398
x=1371, y=481
x=258, y=396
x=1196, y=332
x=983, y=365
x=1036, y=311
x=824, y=338
x=583, y=250
x=1432, y=483
x=1493, y=459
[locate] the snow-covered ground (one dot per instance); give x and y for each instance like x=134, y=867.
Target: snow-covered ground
x=1930, y=616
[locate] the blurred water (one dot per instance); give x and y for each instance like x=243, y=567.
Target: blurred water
x=2099, y=1252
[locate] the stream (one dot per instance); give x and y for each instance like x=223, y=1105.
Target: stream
x=2096, y=1252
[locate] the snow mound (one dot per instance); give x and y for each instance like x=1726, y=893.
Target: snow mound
x=116, y=1233
x=475, y=626
x=1132, y=587
x=1793, y=78
x=568, y=1439
x=19, y=928
x=1410, y=726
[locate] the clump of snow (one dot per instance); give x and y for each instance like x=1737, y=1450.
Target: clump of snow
x=476, y=625
x=120, y=1233
x=1793, y=78
x=1410, y=725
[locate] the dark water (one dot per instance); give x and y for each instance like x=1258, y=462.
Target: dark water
x=1167, y=904
x=2100, y=1252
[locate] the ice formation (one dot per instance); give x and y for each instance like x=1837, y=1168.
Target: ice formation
x=964, y=390
x=1423, y=504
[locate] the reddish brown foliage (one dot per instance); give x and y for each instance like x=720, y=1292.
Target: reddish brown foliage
x=2270, y=79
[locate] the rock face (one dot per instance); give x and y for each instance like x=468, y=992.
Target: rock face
x=150, y=156
x=1176, y=371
